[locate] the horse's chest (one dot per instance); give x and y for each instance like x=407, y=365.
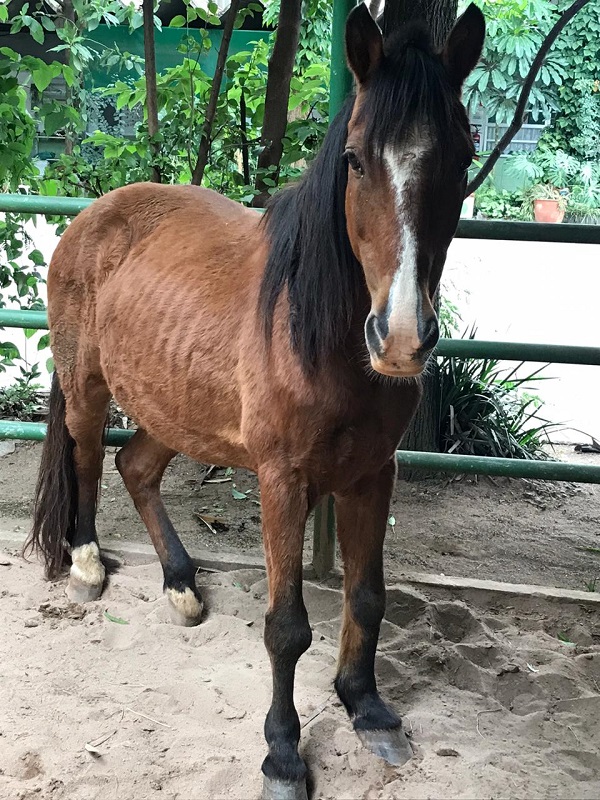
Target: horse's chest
x=362, y=443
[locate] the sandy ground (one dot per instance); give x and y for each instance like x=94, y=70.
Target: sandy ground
x=514, y=531
x=501, y=695
x=497, y=705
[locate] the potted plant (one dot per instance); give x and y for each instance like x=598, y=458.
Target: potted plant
x=552, y=174
x=549, y=203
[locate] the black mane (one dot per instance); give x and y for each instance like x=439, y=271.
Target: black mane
x=310, y=252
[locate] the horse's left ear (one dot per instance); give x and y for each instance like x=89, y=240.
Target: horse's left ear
x=463, y=48
x=364, y=43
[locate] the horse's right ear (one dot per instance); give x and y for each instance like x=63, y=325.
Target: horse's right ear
x=364, y=44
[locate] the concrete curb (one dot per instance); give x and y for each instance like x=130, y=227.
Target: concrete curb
x=136, y=554
x=551, y=593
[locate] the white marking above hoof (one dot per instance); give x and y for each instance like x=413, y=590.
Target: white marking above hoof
x=184, y=607
x=87, y=569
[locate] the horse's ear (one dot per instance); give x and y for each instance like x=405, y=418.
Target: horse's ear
x=463, y=48
x=364, y=43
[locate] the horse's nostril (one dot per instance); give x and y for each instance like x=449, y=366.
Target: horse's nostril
x=431, y=334
x=376, y=329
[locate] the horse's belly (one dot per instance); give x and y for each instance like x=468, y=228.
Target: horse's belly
x=168, y=368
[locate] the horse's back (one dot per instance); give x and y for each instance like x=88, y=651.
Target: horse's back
x=102, y=236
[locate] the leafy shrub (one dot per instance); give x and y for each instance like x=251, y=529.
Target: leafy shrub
x=493, y=203
x=486, y=412
x=20, y=400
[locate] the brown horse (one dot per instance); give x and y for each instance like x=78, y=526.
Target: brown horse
x=260, y=343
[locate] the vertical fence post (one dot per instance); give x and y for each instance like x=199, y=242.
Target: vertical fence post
x=340, y=86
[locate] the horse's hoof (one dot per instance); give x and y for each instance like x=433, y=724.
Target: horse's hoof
x=87, y=574
x=391, y=745
x=80, y=592
x=275, y=789
x=184, y=608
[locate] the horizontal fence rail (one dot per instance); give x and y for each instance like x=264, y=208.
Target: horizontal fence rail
x=502, y=467
x=461, y=348
x=435, y=462
x=36, y=432
x=567, y=233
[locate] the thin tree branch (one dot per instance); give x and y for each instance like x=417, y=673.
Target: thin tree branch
x=211, y=110
x=150, y=75
x=281, y=66
x=519, y=115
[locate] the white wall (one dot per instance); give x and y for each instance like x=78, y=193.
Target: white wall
x=542, y=293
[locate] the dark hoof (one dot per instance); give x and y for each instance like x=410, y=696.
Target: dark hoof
x=274, y=789
x=392, y=745
x=79, y=592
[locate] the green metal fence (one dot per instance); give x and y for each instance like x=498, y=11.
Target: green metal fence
x=462, y=348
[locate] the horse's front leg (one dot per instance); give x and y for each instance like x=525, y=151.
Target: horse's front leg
x=284, y=504
x=362, y=514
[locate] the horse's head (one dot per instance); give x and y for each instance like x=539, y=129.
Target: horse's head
x=408, y=150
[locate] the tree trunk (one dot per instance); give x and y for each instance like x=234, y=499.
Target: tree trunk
x=281, y=65
x=150, y=74
x=440, y=15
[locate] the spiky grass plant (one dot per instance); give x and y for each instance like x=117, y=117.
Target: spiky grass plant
x=486, y=410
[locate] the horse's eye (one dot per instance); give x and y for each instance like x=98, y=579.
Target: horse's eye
x=465, y=164
x=354, y=162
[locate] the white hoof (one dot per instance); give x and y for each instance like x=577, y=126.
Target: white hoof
x=184, y=607
x=86, y=578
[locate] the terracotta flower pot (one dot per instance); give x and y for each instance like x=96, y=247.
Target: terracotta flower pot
x=547, y=211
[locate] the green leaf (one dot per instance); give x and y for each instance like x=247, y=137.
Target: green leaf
x=3, y=13
x=36, y=31
x=37, y=258
x=44, y=342
x=392, y=521
x=68, y=75
x=237, y=495
x=177, y=22
x=118, y=620
x=50, y=365
x=565, y=639
x=42, y=77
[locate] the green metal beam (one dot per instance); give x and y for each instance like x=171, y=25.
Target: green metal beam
x=565, y=233
x=519, y=351
x=438, y=462
x=506, y=467
x=461, y=348
x=341, y=84
x=341, y=79
x=36, y=432
x=41, y=204
x=10, y=318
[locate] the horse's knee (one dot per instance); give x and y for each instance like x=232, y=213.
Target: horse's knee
x=367, y=605
x=287, y=632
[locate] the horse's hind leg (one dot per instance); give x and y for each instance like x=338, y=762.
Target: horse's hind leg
x=142, y=463
x=86, y=410
x=362, y=516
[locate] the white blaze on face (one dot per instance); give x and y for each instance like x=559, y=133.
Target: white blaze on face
x=403, y=300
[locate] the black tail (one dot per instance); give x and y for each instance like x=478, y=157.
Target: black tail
x=55, y=510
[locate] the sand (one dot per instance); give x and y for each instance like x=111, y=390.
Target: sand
x=497, y=705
